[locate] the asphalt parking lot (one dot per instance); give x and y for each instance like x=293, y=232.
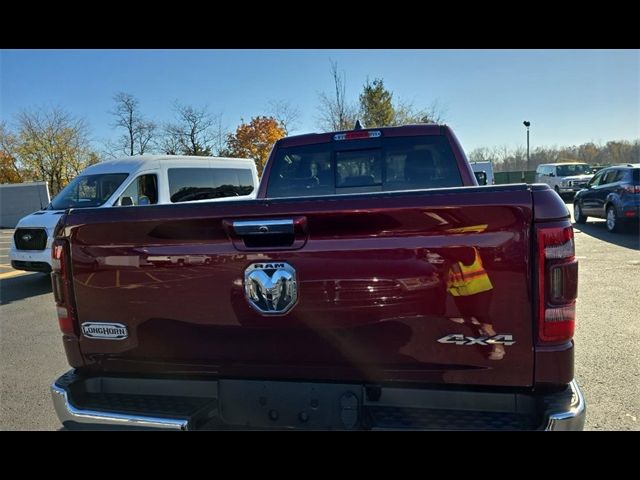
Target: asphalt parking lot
x=607, y=332
x=31, y=353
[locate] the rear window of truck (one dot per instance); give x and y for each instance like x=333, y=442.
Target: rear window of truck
x=359, y=166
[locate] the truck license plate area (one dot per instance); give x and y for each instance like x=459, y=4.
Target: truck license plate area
x=271, y=404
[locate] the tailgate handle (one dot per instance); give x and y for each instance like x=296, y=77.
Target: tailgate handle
x=273, y=233
x=263, y=227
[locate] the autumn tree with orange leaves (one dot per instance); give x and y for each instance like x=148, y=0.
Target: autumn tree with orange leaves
x=9, y=170
x=255, y=139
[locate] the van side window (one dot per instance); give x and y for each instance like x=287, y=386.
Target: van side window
x=142, y=191
x=188, y=184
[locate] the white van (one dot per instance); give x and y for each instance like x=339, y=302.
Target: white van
x=131, y=181
x=487, y=168
x=564, y=178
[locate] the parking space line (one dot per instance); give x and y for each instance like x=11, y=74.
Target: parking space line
x=117, y=278
x=153, y=277
x=16, y=273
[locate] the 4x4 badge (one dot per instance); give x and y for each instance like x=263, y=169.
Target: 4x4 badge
x=460, y=339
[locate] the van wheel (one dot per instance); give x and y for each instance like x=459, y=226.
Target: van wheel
x=577, y=214
x=613, y=224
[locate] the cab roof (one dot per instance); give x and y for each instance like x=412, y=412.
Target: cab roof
x=400, y=131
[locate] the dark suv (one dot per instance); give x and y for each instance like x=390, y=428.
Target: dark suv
x=613, y=193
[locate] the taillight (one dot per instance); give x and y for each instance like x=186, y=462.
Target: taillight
x=631, y=188
x=557, y=284
x=65, y=321
x=61, y=287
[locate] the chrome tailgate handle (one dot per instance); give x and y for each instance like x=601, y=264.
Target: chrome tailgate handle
x=263, y=227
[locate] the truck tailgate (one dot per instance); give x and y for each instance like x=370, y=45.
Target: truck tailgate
x=372, y=274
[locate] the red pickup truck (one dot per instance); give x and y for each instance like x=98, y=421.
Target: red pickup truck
x=371, y=285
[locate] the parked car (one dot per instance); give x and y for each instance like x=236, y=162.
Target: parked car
x=613, y=193
x=484, y=167
x=371, y=285
x=564, y=178
x=132, y=181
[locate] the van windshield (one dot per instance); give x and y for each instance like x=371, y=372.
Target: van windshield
x=567, y=170
x=88, y=191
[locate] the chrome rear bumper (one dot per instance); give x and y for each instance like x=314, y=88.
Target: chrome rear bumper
x=117, y=402
x=68, y=413
x=573, y=417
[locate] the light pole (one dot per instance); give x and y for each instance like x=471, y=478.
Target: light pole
x=527, y=124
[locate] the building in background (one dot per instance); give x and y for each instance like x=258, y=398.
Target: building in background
x=20, y=199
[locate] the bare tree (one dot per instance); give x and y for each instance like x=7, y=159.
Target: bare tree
x=145, y=140
x=196, y=132
x=481, y=154
x=284, y=112
x=335, y=112
x=506, y=159
x=53, y=146
x=407, y=113
x=434, y=113
x=126, y=116
x=220, y=134
x=171, y=144
x=140, y=132
x=8, y=140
